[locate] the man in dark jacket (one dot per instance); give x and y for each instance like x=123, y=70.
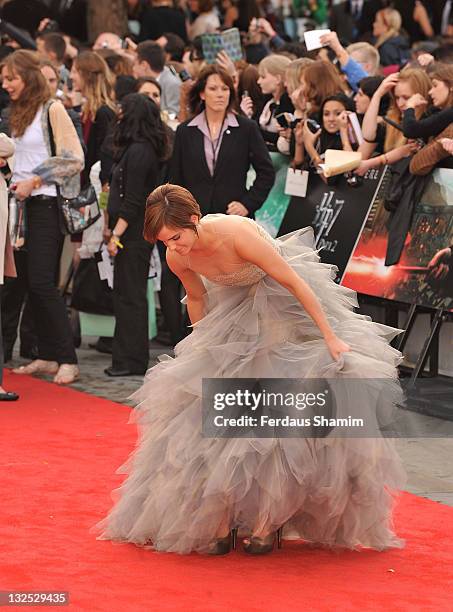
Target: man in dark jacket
x=353, y=20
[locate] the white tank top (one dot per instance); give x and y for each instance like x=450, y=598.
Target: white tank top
x=31, y=150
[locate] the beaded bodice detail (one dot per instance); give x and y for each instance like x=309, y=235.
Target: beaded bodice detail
x=247, y=273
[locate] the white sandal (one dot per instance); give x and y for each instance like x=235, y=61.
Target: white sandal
x=67, y=374
x=38, y=366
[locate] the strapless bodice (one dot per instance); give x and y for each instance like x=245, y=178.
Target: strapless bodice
x=247, y=273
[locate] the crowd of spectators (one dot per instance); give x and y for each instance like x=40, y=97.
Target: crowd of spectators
x=145, y=107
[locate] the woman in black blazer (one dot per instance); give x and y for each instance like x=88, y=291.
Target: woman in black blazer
x=215, y=149
x=142, y=146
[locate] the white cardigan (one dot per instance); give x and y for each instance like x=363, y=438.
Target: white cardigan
x=6, y=150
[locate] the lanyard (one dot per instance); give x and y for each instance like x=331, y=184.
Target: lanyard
x=215, y=148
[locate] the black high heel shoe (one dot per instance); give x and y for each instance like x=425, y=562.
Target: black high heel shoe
x=223, y=546
x=262, y=546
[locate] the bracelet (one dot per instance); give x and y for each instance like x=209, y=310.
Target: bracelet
x=116, y=240
x=37, y=182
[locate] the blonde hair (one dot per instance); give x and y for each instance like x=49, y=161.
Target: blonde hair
x=274, y=64
x=169, y=206
x=97, y=83
x=368, y=54
x=294, y=72
x=392, y=20
x=420, y=83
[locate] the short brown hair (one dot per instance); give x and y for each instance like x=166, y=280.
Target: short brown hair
x=54, y=43
x=196, y=104
x=170, y=206
x=444, y=73
x=204, y=6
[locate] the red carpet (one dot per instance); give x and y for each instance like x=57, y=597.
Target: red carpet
x=59, y=454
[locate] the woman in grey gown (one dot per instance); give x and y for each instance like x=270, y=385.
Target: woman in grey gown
x=260, y=308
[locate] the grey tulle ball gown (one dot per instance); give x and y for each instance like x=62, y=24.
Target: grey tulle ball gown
x=328, y=491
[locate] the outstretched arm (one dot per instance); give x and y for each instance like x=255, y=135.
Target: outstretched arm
x=193, y=285
x=251, y=247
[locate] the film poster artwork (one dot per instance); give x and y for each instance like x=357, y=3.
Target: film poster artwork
x=337, y=214
x=424, y=273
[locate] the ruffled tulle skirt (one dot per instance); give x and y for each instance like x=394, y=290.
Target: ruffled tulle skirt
x=181, y=486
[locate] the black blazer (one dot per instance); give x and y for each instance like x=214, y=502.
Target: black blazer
x=241, y=147
x=134, y=176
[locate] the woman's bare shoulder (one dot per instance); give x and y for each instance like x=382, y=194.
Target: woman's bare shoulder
x=228, y=223
x=175, y=261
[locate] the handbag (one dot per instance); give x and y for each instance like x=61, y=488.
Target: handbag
x=17, y=222
x=80, y=212
x=90, y=293
x=296, y=183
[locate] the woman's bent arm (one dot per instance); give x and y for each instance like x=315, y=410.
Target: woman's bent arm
x=251, y=247
x=193, y=285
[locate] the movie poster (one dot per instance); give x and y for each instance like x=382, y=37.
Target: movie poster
x=336, y=212
x=424, y=274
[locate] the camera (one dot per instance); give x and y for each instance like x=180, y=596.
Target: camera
x=313, y=125
x=287, y=120
x=51, y=26
x=282, y=120
x=184, y=75
x=353, y=180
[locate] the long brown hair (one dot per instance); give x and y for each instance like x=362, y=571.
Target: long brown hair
x=419, y=83
x=97, y=83
x=321, y=81
x=26, y=65
x=170, y=206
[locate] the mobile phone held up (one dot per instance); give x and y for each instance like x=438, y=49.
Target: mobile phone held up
x=313, y=125
x=287, y=120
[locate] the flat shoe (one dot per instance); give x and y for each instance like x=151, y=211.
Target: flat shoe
x=113, y=372
x=102, y=346
x=67, y=374
x=9, y=396
x=38, y=366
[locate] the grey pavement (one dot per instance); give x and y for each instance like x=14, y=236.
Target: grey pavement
x=428, y=461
